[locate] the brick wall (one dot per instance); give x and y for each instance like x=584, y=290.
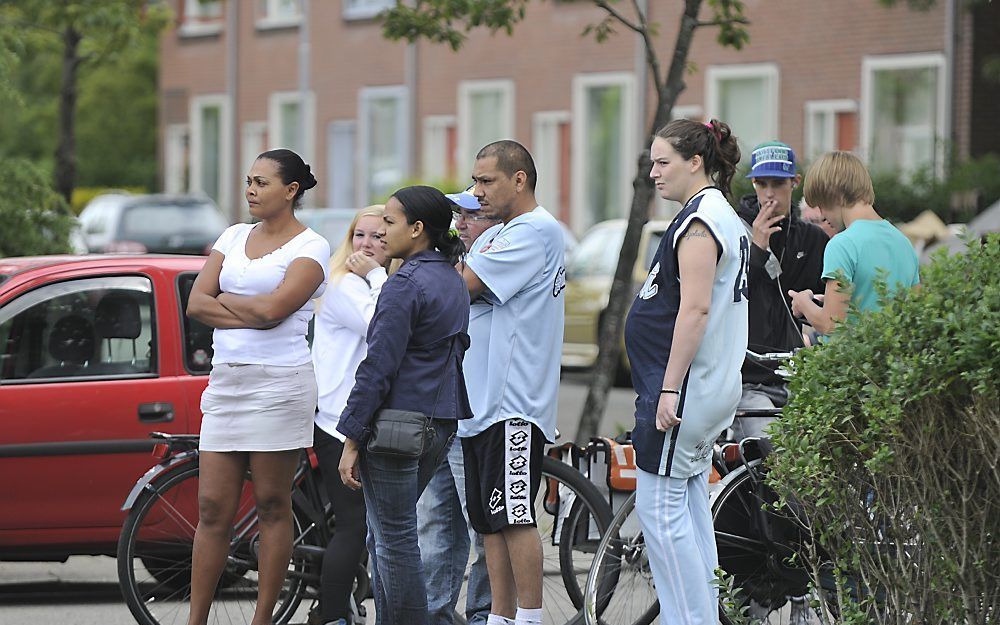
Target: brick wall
x=817, y=46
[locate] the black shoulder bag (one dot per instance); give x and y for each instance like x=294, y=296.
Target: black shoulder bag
x=404, y=433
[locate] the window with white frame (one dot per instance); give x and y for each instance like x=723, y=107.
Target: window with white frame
x=828, y=124
x=210, y=148
x=438, y=148
x=385, y=140
x=278, y=13
x=746, y=98
x=201, y=17
x=549, y=143
x=290, y=122
x=485, y=115
x=365, y=9
x=604, y=146
x=341, y=142
x=903, y=115
x=175, y=158
x=253, y=141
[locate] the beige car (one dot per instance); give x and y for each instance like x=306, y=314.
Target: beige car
x=589, y=274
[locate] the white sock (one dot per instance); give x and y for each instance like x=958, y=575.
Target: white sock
x=496, y=619
x=528, y=616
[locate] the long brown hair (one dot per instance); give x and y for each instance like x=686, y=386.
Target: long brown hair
x=713, y=141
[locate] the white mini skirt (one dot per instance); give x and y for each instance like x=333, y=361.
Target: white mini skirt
x=258, y=408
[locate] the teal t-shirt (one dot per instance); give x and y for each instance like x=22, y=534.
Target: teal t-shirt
x=864, y=251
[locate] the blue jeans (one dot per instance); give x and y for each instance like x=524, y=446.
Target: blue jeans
x=392, y=487
x=445, y=537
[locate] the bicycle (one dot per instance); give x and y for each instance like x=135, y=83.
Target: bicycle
x=620, y=584
x=154, y=549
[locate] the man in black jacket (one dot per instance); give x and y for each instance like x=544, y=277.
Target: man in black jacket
x=786, y=254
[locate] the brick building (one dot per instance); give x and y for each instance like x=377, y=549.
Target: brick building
x=901, y=87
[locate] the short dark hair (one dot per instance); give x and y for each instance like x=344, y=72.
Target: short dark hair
x=512, y=157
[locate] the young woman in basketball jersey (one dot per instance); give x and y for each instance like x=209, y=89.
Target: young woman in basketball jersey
x=686, y=337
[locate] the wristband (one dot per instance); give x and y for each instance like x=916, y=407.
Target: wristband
x=672, y=391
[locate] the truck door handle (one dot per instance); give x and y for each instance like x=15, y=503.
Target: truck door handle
x=156, y=412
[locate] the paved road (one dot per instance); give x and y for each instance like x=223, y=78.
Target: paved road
x=84, y=590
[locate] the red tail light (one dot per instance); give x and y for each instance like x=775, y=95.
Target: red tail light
x=161, y=451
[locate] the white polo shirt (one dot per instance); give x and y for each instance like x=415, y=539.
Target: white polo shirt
x=523, y=269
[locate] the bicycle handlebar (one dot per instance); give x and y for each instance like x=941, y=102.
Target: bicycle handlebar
x=769, y=356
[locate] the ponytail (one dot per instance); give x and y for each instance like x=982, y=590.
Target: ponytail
x=713, y=141
x=450, y=245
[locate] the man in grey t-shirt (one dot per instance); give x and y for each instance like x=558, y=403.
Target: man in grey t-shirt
x=521, y=274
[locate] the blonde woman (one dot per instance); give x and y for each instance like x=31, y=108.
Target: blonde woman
x=358, y=269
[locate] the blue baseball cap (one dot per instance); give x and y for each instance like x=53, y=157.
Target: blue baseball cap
x=773, y=159
x=465, y=199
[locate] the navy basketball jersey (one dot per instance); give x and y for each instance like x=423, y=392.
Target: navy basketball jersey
x=712, y=386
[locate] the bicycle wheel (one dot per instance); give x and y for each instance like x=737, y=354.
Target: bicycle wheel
x=154, y=557
x=772, y=591
x=620, y=584
x=572, y=515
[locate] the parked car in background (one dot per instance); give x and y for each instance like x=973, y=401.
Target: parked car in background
x=589, y=273
x=118, y=223
x=95, y=354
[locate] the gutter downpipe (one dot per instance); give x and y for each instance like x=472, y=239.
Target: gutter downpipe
x=411, y=71
x=949, y=86
x=304, y=103
x=234, y=210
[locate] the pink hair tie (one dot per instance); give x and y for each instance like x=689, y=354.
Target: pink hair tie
x=715, y=131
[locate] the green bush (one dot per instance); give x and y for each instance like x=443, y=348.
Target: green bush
x=35, y=218
x=891, y=443
x=970, y=187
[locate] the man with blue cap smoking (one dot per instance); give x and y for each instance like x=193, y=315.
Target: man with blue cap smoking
x=786, y=251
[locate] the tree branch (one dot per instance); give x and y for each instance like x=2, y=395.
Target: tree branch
x=618, y=16
x=651, y=58
x=735, y=20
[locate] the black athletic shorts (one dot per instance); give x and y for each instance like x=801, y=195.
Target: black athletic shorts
x=503, y=469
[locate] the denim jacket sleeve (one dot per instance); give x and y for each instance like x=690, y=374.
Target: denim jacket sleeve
x=388, y=335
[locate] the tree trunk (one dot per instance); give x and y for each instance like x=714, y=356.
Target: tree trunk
x=609, y=336
x=65, y=171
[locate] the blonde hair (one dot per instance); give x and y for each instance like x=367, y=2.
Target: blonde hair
x=338, y=261
x=838, y=180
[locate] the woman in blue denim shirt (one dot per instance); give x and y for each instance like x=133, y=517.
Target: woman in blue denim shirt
x=416, y=342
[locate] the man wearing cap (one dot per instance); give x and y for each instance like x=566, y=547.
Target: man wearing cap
x=442, y=520
x=786, y=254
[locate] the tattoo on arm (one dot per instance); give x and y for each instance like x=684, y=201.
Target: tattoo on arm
x=695, y=233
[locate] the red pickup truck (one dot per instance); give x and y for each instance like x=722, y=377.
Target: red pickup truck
x=95, y=353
